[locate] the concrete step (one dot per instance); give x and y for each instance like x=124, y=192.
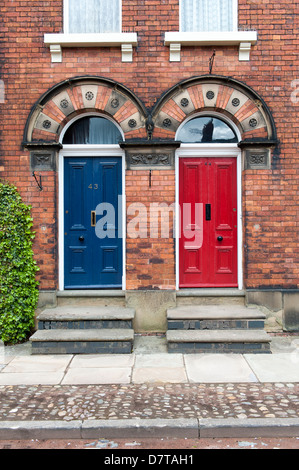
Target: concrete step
x=78, y=341
x=218, y=341
x=85, y=317
x=210, y=296
x=101, y=297
x=192, y=317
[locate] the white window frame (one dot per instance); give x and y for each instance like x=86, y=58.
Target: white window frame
x=56, y=42
x=244, y=39
x=235, y=15
x=66, y=17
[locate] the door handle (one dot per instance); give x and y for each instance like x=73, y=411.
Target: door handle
x=208, y=211
x=220, y=238
x=93, y=218
x=81, y=238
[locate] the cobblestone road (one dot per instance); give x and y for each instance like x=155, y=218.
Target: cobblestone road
x=169, y=401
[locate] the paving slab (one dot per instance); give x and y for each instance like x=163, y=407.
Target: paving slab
x=102, y=360
x=159, y=360
x=159, y=375
x=159, y=368
x=31, y=378
x=98, y=375
x=51, y=363
x=222, y=368
x=280, y=367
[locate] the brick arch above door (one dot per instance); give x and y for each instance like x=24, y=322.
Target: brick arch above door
x=213, y=93
x=80, y=95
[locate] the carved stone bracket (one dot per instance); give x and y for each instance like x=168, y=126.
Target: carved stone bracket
x=150, y=154
x=43, y=155
x=257, y=154
x=256, y=159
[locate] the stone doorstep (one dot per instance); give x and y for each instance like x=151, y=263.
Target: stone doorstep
x=214, y=312
x=84, y=313
x=78, y=341
x=210, y=324
x=91, y=293
x=217, y=336
x=92, y=335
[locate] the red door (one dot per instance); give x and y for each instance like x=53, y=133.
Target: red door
x=208, y=227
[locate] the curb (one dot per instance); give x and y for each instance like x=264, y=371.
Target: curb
x=155, y=428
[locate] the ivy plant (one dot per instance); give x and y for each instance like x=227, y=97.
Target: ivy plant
x=18, y=285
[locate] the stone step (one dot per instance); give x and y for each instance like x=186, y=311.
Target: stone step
x=191, y=317
x=210, y=296
x=86, y=317
x=102, y=297
x=75, y=341
x=218, y=341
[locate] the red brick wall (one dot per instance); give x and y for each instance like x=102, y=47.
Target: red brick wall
x=270, y=197
x=150, y=261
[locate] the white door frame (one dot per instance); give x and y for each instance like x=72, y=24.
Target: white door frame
x=81, y=151
x=206, y=151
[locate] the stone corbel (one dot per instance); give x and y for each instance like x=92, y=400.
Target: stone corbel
x=126, y=53
x=56, y=53
x=175, y=52
x=244, y=51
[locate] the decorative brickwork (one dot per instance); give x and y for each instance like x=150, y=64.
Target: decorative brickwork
x=75, y=97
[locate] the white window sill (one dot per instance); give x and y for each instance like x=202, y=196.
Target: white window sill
x=57, y=41
x=244, y=39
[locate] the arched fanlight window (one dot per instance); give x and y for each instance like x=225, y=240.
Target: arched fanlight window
x=206, y=129
x=92, y=130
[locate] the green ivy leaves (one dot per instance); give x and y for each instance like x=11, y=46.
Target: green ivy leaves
x=18, y=286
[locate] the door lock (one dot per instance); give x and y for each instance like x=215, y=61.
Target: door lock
x=208, y=211
x=93, y=218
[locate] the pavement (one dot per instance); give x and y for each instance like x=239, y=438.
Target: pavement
x=150, y=393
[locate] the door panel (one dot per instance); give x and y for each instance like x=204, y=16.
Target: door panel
x=92, y=261
x=211, y=183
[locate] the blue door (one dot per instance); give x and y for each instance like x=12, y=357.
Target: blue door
x=92, y=223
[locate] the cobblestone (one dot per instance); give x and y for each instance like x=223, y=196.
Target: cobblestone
x=170, y=401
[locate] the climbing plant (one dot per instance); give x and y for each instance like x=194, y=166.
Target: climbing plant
x=18, y=285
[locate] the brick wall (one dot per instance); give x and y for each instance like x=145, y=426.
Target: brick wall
x=270, y=197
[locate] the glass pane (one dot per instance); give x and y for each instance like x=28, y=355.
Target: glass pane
x=206, y=129
x=206, y=15
x=94, y=16
x=93, y=130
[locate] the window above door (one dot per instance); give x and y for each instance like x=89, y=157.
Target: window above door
x=92, y=16
x=208, y=15
x=207, y=23
x=92, y=23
